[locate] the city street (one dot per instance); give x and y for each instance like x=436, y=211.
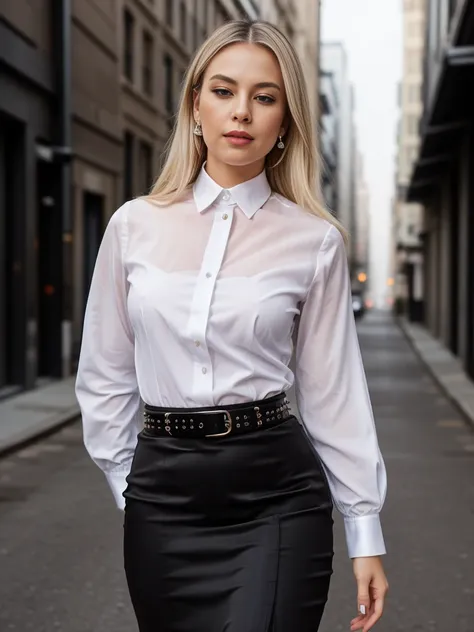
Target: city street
x=60, y=535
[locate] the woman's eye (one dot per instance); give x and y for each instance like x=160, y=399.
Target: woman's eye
x=222, y=92
x=266, y=99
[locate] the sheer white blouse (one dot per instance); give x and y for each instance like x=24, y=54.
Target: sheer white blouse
x=195, y=305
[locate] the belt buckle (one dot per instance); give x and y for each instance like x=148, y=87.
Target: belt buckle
x=228, y=422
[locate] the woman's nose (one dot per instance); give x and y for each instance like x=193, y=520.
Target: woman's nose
x=242, y=113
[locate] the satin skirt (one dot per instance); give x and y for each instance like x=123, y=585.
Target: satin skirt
x=233, y=534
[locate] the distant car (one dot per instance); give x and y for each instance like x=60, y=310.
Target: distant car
x=357, y=304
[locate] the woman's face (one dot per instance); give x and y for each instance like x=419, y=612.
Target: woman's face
x=242, y=91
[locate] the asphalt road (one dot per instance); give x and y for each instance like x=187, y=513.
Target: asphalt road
x=60, y=535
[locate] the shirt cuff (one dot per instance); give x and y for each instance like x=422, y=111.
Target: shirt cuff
x=364, y=536
x=117, y=482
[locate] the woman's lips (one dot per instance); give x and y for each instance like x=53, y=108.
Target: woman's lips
x=239, y=141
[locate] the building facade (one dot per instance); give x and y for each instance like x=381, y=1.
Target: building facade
x=408, y=217
x=329, y=138
x=300, y=21
x=88, y=91
x=361, y=248
x=34, y=228
x=442, y=177
x=334, y=64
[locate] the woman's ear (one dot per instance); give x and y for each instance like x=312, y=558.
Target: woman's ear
x=196, y=95
x=285, y=124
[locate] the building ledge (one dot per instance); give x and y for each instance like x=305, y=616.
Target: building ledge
x=449, y=114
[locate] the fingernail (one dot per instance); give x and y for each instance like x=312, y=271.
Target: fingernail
x=362, y=608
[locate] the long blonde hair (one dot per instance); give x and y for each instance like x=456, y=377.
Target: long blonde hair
x=294, y=172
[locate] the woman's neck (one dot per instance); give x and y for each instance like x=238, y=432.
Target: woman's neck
x=228, y=176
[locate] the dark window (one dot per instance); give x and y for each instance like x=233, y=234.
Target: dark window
x=145, y=167
x=169, y=96
x=129, y=142
x=169, y=13
x=182, y=22
x=128, y=30
x=93, y=207
x=147, y=70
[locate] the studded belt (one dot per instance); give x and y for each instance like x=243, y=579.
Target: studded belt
x=218, y=421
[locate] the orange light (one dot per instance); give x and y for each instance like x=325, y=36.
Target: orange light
x=390, y=281
x=362, y=277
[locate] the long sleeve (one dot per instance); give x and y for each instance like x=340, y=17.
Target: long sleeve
x=334, y=403
x=106, y=384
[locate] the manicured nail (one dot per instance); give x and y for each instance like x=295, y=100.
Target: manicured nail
x=362, y=608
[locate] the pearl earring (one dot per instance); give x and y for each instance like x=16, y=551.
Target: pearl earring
x=198, y=129
x=281, y=144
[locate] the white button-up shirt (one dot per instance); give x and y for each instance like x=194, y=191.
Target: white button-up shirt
x=195, y=304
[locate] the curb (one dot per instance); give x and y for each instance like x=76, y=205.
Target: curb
x=42, y=429
x=466, y=411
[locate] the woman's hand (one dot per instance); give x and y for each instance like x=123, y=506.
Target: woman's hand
x=372, y=586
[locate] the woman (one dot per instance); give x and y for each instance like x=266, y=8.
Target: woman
x=197, y=292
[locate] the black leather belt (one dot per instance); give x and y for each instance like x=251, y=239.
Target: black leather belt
x=218, y=421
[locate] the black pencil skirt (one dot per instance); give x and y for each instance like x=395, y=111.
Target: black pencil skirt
x=231, y=534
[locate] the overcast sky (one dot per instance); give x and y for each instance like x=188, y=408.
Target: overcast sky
x=371, y=31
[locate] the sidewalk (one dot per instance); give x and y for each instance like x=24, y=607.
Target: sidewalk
x=28, y=415
x=445, y=367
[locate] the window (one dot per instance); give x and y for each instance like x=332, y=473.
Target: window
x=129, y=142
x=147, y=69
x=145, y=164
x=169, y=96
x=182, y=23
x=128, y=35
x=169, y=13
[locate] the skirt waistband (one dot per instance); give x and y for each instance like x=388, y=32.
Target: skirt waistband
x=216, y=421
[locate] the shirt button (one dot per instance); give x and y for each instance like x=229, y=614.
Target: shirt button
x=197, y=343
x=226, y=196
x=204, y=370
x=208, y=275
x=225, y=216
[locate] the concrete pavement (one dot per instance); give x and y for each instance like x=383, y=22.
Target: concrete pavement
x=445, y=367
x=28, y=415
x=60, y=534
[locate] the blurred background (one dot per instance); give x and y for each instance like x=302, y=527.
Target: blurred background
x=88, y=91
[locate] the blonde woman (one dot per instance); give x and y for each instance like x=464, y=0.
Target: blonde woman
x=197, y=293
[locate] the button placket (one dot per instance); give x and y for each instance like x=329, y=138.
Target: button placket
x=202, y=298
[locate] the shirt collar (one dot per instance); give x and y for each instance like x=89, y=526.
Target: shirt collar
x=249, y=196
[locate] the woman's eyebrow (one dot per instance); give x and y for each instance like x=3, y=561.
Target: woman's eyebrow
x=262, y=84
